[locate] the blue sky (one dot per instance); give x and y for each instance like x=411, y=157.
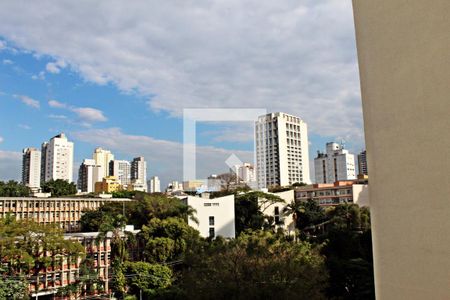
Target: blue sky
x=121, y=82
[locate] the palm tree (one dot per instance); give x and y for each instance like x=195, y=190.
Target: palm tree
x=188, y=212
x=295, y=208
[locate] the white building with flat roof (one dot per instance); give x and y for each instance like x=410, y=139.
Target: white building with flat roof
x=121, y=169
x=102, y=158
x=89, y=173
x=154, y=185
x=335, y=164
x=57, y=159
x=174, y=186
x=281, y=145
x=139, y=172
x=31, y=168
x=245, y=173
x=215, y=216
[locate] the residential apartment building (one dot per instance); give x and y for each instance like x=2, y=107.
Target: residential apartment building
x=139, y=172
x=108, y=185
x=66, y=271
x=194, y=185
x=31, y=168
x=282, y=155
x=215, y=216
x=63, y=211
x=331, y=194
x=154, y=185
x=245, y=173
x=174, y=186
x=362, y=163
x=121, y=169
x=334, y=165
x=88, y=175
x=57, y=159
x=102, y=158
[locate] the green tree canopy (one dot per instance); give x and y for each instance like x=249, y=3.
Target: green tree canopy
x=305, y=213
x=106, y=218
x=349, y=253
x=256, y=265
x=59, y=187
x=138, y=213
x=149, y=206
x=26, y=248
x=248, y=209
x=148, y=278
x=167, y=240
x=13, y=189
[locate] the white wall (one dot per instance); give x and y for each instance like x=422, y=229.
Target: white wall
x=403, y=49
x=269, y=210
x=361, y=194
x=222, y=209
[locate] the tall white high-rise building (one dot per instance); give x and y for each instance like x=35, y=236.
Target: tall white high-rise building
x=281, y=145
x=154, y=185
x=57, y=161
x=88, y=174
x=103, y=157
x=334, y=165
x=31, y=168
x=139, y=172
x=121, y=169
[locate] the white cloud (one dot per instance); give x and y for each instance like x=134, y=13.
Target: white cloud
x=57, y=104
x=232, y=132
x=24, y=126
x=89, y=114
x=57, y=117
x=1, y=139
x=7, y=62
x=40, y=76
x=164, y=157
x=294, y=56
x=28, y=101
x=86, y=114
x=10, y=165
x=55, y=67
x=2, y=45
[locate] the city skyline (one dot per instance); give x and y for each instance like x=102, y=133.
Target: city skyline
x=131, y=104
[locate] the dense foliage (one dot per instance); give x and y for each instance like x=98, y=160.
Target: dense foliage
x=13, y=189
x=137, y=213
x=256, y=265
x=330, y=257
x=26, y=248
x=349, y=253
x=249, y=212
x=124, y=194
x=59, y=187
x=149, y=278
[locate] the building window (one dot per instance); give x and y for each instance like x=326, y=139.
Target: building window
x=211, y=221
x=277, y=214
x=211, y=232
